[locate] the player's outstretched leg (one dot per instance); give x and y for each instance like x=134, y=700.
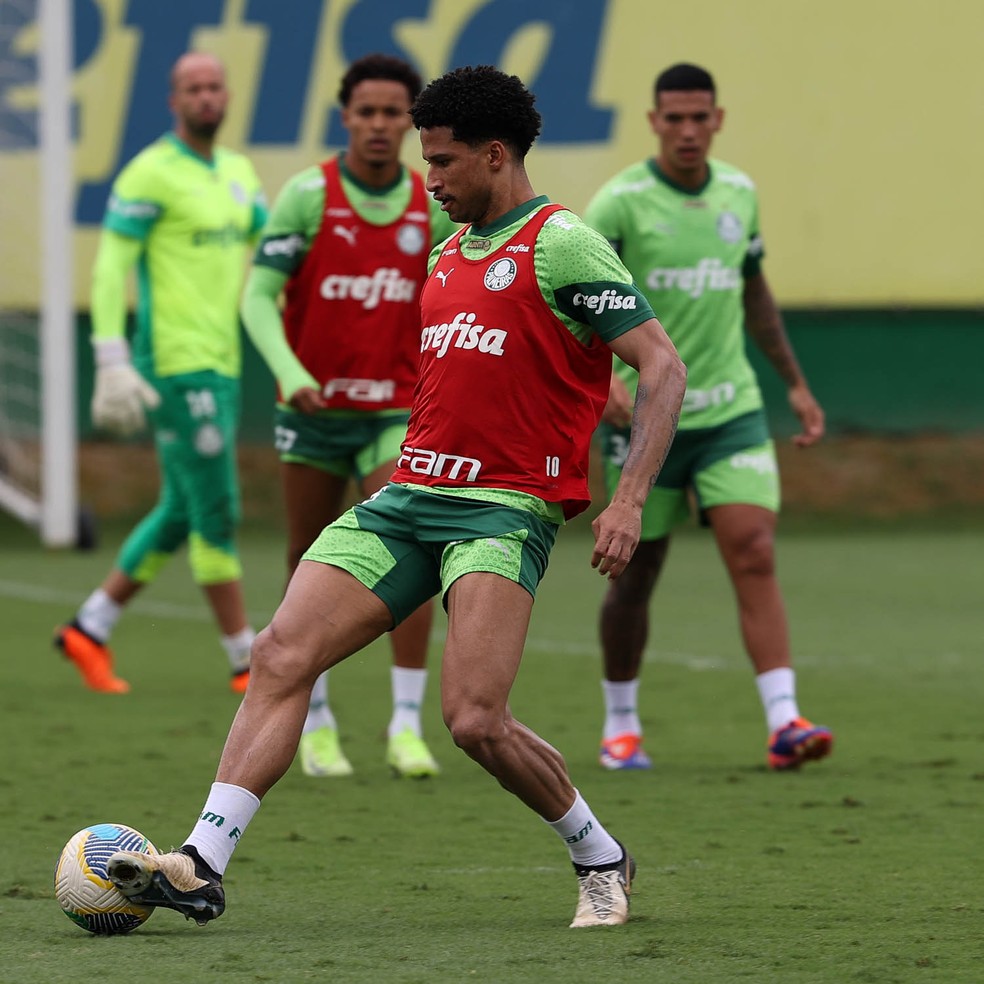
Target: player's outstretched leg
x=179, y=880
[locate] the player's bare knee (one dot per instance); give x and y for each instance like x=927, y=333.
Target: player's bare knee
x=474, y=730
x=754, y=555
x=276, y=666
x=633, y=587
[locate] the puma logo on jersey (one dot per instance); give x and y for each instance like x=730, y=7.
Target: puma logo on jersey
x=499, y=545
x=443, y=276
x=347, y=234
x=464, y=334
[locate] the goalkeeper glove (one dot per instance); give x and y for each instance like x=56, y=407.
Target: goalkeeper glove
x=121, y=394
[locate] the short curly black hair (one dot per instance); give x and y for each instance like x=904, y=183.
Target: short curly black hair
x=379, y=66
x=480, y=103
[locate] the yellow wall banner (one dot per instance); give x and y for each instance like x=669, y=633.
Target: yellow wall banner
x=857, y=121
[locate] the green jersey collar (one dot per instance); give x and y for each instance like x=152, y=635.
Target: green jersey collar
x=660, y=176
x=369, y=189
x=185, y=149
x=513, y=215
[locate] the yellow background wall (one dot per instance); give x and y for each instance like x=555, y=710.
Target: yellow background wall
x=860, y=120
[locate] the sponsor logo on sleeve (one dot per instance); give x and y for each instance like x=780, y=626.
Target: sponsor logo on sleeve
x=288, y=246
x=607, y=300
x=133, y=210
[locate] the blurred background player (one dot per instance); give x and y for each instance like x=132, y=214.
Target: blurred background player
x=185, y=212
x=687, y=228
x=347, y=243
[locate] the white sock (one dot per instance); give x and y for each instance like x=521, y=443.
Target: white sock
x=228, y=810
x=237, y=648
x=98, y=615
x=586, y=839
x=621, y=716
x=319, y=713
x=777, y=688
x=408, y=695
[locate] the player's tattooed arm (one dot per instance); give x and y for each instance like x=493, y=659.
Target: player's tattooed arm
x=764, y=323
x=641, y=401
x=662, y=381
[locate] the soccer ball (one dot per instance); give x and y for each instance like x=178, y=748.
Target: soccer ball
x=83, y=888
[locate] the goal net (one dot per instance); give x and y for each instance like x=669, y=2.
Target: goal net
x=38, y=472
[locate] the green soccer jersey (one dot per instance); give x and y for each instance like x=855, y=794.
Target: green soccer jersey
x=299, y=210
x=196, y=220
x=689, y=252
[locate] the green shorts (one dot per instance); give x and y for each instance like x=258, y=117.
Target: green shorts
x=732, y=463
x=195, y=433
x=350, y=444
x=406, y=545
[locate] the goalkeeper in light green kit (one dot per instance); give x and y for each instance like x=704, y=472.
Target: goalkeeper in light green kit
x=686, y=226
x=186, y=213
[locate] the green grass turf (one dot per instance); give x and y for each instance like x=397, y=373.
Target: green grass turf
x=861, y=868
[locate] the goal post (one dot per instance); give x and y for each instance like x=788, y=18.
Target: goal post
x=59, y=468
x=38, y=418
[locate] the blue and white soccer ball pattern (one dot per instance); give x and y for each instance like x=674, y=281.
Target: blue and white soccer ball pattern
x=83, y=888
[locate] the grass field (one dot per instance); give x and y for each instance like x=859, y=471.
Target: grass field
x=861, y=868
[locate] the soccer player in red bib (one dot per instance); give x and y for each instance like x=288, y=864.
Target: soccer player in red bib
x=520, y=316
x=347, y=244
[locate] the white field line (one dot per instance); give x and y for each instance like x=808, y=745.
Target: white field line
x=71, y=599
x=44, y=594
